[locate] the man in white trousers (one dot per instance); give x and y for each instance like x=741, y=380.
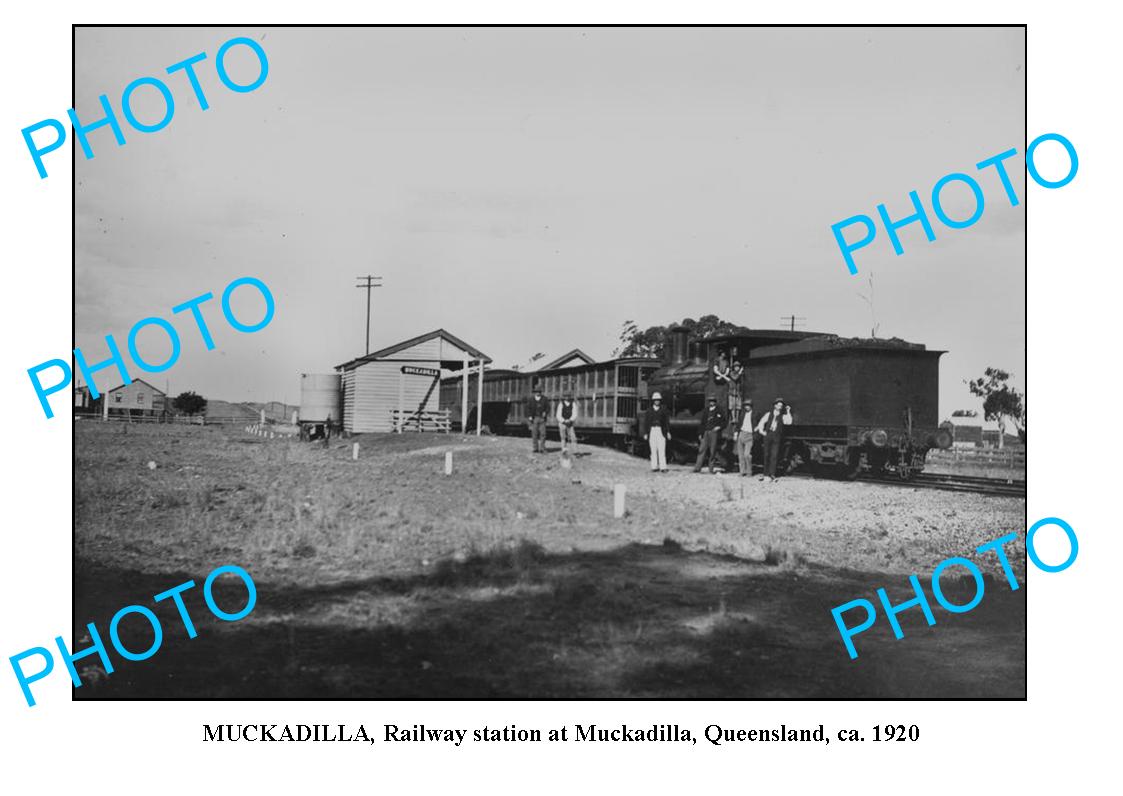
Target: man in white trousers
x=658, y=422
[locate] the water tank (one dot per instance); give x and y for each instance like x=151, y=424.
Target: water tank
x=319, y=397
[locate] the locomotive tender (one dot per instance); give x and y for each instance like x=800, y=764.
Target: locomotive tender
x=858, y=404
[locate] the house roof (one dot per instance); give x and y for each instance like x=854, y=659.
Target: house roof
x=385, y=353
x=575, y=353
x=135, y=381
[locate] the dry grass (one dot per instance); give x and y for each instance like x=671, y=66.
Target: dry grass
x=384, y=578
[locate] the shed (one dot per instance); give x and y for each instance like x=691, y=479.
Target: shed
x=398, y=387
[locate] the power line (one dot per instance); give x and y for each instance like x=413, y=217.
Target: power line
x=370, y=283
x=794, y=320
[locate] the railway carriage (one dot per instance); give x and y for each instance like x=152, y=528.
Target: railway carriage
x=607, y=394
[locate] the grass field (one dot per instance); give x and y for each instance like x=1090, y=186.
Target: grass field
x=383, y=578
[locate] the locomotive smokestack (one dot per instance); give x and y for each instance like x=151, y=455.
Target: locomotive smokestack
x=680, y=337
x=697, y=352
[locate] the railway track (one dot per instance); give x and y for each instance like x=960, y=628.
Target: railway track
x=956, y=483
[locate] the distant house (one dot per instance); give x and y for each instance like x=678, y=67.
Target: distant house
x=137, y=399
x=990, y=439
x=83, y=403
x=573, y=359
x=975, y=436
x=964, y=435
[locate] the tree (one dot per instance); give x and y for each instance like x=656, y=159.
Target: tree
x=1000, y=401
x=189, y=403
x=651, y=341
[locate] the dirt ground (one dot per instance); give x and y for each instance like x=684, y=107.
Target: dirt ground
x=384, y=578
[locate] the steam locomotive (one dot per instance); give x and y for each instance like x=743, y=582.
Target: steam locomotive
x=857, y=404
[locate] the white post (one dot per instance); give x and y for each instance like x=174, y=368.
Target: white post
x=355, y=452
x=448, y=463
x=480, y=400
x=464, y=400
x=263, y=417
x=618, y=506
x=401, y=400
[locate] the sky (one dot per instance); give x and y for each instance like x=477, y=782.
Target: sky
x=530, y=189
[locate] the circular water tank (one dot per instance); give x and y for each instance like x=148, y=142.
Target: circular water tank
x=319, y=397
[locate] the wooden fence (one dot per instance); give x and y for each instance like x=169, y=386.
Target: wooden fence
x=435, y=421
x=990, y=457
x=196, y=420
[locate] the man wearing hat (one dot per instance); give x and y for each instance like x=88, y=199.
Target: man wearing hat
x=657, y=420
x=771, y=427
x=537, y=410
x=709, y=434
x=567, y=416
x=744, y=437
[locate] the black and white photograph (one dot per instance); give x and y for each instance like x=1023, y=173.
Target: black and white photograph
x=549, y=363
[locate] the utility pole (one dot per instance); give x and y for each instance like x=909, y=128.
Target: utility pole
x=793, y=319
x=371, y=282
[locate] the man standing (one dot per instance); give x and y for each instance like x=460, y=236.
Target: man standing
x=567, y=416
x=721, y=380
x=771, y=427
x=745, y=440
x=736, y=385
x=658, y=423
x=709, y=434
x=537, y=410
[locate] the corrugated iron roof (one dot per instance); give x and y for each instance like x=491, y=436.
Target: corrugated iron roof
x=389, y=350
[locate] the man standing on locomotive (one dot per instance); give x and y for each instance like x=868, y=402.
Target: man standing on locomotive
x=709, y=434
x=744, y=435
x=721, y=379
x=771, y=427
x=537, y=410
x=736, y=386
x=657, y=420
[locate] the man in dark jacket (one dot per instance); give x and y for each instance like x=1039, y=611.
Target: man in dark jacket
x=772, y=428
x=709, y=434
x=537, y=410
x=657, y=421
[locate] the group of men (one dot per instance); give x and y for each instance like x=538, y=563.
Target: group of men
x=537, y=414
x=769, y=428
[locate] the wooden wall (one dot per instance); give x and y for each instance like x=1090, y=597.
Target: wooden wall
x=136, y=396
x=371, y=391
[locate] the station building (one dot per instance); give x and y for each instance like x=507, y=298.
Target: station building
x=398, y=387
